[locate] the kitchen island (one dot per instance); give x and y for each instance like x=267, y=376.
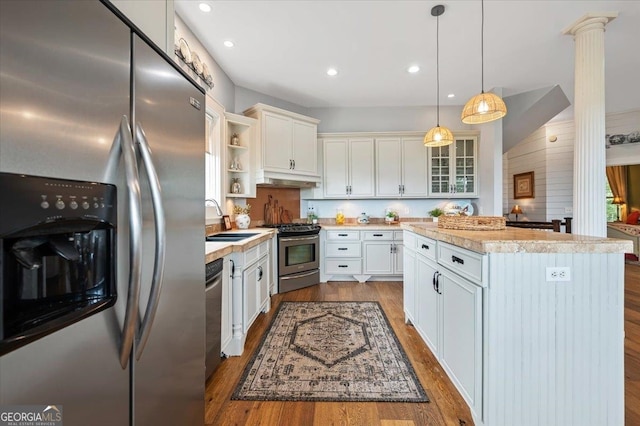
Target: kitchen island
x=527, y=324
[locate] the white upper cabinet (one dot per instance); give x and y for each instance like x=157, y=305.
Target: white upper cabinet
x=154, y=18
x=348, y=168
x=401, y=167
x=287, y=145
x=454, y=169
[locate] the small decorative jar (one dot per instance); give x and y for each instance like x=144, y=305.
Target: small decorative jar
x=235, y=186
x=243, y=221
x=339, y=217
x=235, y=140
x=363, y=219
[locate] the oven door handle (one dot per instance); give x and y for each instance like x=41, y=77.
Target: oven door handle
x=123, y=144
x=161, y=242
x=285, y=239
x=293, y=277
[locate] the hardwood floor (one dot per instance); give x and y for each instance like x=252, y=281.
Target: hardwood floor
x=446, y=407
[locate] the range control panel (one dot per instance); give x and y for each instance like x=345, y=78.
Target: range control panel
x=30, y=200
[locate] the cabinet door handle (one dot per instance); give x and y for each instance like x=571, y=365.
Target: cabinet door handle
x=259, y=273
x=434, y=281
x=378, y=235
x=399, y=189
x=343, y=248
x=294, y=164
x=438, y=283
x=343, y=235
x=456, y=259
x=426, y=247
x=343, y=266
x=233, y=267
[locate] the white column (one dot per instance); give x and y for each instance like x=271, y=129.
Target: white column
x=589, y=158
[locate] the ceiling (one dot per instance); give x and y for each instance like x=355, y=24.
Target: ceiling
x=284, y=48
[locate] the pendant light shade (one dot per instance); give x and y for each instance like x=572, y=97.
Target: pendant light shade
x=484, y=107
x=438, y=136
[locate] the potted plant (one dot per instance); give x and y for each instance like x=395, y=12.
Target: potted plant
x=391, y=216
x=242, y=216
x=435, y=213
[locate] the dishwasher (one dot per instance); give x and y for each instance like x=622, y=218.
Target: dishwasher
x=213, y=291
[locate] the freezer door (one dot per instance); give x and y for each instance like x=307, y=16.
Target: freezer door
x=169, y=375
x=64, y=78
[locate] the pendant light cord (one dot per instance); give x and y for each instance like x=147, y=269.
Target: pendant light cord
x=438, y=69
x=482, y=47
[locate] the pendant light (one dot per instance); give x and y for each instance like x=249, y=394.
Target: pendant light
x=484, y=107
x=438, y=136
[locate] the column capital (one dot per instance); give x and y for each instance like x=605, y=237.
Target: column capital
x=590, y=21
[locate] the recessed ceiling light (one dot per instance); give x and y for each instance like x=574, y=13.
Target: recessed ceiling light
x=413, y=69
x=451, y=95
x=205, y=7
x=229, y=43
x=332, y=72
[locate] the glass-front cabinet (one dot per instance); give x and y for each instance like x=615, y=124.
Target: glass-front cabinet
x=453, y=169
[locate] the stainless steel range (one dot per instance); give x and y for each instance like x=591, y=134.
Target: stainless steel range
x=298, y=256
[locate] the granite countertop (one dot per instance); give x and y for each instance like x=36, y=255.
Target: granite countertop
x=216, y=250
x=520, y=240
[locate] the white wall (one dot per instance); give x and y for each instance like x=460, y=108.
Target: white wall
x=223, y=90
x=246, y=98
x=386, y=119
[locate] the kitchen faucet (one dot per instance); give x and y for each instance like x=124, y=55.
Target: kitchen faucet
x=216, y=205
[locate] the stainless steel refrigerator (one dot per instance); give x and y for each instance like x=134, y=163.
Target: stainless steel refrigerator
x=79, y=92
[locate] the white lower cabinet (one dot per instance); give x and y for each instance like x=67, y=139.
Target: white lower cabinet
x=250, y=292
x=461, y=346
x=227, y=303
x=428, y=320
x=382, y=252
x=446, y=310
x=363, y=255
x=254, y=290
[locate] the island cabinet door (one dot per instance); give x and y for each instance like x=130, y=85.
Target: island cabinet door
x=428, y=321
x=461, y=347
x=409, y=286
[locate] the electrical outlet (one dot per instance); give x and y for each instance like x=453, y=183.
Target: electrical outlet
x=558, y=273
x=568, y=209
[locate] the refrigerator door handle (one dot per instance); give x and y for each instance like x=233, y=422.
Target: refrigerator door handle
x=160, y=231
x=123, y=142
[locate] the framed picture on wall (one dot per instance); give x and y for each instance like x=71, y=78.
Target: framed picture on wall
x=227, y=222
x=523, y=185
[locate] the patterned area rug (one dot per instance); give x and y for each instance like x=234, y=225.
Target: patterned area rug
x=330, y=351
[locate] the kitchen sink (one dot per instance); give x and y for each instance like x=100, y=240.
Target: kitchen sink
x=231, y=236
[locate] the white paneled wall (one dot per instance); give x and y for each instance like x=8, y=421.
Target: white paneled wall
x=552, y=163
x=559, y=157
x=529, y=155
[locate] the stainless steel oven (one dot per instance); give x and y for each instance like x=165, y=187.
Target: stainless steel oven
x=298, y=256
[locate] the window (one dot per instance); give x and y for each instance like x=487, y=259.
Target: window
x=612, y=209
x=213, y=171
